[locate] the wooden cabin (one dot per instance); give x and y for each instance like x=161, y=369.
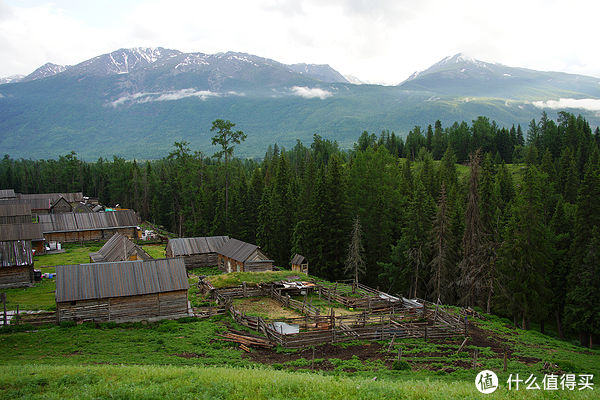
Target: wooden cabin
x=122, y=291
x=60, y=205
x=16, y=264
x=299, y=264
x=119, y=248
x=28, y=231
x=86, y=227
x=238, y=256
x=196, y=251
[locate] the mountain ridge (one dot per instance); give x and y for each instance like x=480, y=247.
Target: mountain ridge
x=136, y=102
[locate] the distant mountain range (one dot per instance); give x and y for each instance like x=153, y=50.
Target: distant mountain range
x=136, y=103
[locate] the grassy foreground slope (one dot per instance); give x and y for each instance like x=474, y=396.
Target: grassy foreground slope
x=169, y=382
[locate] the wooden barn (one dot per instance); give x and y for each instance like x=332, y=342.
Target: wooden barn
x=197, y=251
x=300, y=264
x=85, y=227
x=119, y=248
x=15, y=213
x=28, y=231
x=122, y=291
x=16, y=264
x=238, y=256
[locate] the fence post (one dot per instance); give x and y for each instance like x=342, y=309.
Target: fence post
x=244, y=288
x=466, y=331
x=475, y=353
x=3, y=298
x=17, y=316
x=425, y=332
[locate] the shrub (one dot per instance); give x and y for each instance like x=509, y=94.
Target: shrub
x=400, y=365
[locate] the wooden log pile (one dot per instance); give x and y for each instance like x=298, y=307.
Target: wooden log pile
x=246, y=340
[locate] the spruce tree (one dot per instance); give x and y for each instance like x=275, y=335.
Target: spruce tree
x=527, y=252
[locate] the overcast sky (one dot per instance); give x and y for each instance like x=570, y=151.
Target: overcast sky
x=379, y=41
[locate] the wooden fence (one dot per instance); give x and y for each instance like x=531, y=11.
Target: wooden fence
x=384, y=317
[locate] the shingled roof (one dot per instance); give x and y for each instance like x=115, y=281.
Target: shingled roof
x=119, y=279
x=118, y=248
x=196, y=245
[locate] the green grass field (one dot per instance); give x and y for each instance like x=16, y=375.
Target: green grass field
x=175, y=382
x=184, y=359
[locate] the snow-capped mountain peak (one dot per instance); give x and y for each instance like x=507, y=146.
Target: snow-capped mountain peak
x=46, y=70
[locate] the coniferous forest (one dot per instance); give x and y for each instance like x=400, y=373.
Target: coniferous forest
x=507, y=219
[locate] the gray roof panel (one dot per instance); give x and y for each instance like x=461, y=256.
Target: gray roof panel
x=118, y=279
x=196, y=245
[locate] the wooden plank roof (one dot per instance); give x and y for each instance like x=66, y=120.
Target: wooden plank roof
x=238, y=250
x=196, y=245
x=73, y=222
x=7, y=194
x=118, y=279
x=298, y=259
x=118, y=248
x=14, y=209
x=24, y=231
x=33, y=203
x=16, y=253
x=52, y=197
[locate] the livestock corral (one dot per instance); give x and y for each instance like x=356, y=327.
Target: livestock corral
x=373, y=315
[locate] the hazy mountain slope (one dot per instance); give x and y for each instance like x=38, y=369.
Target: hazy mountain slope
x=137, y=102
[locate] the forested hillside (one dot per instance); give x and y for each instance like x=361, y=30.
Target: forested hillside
x=505, y=219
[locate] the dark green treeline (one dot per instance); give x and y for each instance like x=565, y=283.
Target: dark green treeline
x=442, y=214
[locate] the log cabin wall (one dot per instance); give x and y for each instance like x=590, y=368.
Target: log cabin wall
x=166, y=305
x=16, y=276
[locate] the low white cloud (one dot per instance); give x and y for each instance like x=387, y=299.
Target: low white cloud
x=586, y=104
x=147, y=97
x=311, y=93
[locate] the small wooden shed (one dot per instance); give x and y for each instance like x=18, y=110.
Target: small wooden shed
x=196, y=251
x=122, y=291
x=16, y=264
x=299, y=264
x=238, y=256
x=119, y=248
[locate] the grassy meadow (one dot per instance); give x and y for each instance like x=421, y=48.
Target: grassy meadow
x=184, y=359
